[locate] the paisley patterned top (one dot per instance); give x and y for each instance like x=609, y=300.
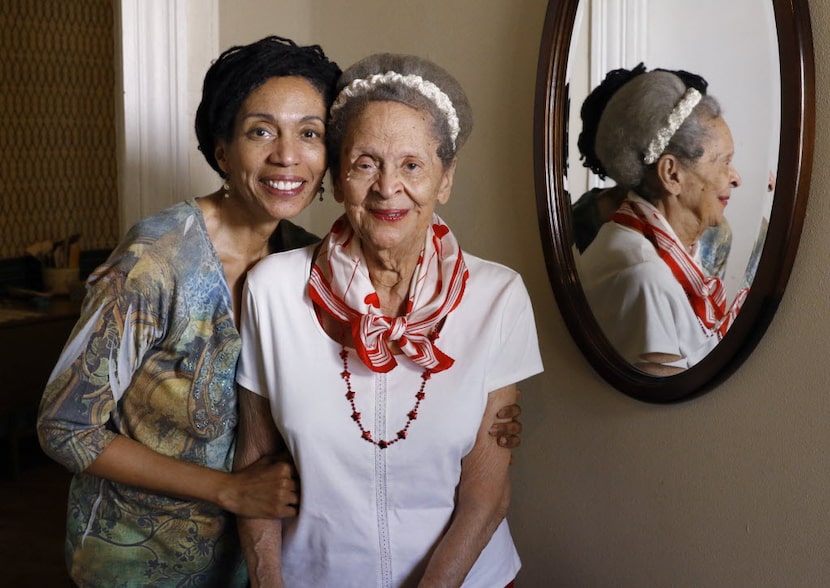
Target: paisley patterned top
x=153, y=357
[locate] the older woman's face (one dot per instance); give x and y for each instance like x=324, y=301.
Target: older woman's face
x=277, y=156
x=391, y=178
x=707, y=184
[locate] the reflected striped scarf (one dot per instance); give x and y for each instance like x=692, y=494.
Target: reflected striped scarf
x=706, y=294
x=340, y=285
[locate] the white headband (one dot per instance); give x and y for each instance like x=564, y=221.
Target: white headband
x=678, y=115
x=425, y=87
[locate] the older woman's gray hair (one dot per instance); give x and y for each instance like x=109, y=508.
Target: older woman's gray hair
x=347, y=107
x=632, y=119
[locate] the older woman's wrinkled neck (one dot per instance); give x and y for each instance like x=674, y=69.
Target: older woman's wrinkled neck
x=685, y=224
x=391, y=282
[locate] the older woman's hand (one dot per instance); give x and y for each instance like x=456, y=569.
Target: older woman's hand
x=508, y=428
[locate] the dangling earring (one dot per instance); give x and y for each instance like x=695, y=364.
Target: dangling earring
x=227, y=190
x=320, y=191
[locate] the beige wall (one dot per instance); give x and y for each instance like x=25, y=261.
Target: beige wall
x=731, y=489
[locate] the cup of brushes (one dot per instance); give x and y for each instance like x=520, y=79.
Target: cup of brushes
x=59, y=262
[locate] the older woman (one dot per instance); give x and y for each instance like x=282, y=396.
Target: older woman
x=142, y=403
x=382, y=357
x=595, y=207
x=667, y=144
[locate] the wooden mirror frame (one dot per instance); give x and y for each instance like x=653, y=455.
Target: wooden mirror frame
x=795, y=47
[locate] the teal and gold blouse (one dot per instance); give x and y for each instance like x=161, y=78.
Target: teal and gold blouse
x=153, y=357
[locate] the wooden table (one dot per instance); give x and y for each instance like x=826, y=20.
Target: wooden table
x=30, y=344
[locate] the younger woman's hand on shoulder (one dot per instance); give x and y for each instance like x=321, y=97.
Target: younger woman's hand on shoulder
x=507, y=426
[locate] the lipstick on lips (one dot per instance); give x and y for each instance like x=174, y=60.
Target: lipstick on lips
x=390, y=215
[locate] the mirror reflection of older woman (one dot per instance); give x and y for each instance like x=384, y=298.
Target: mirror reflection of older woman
x=380, y=359
x=671, y=149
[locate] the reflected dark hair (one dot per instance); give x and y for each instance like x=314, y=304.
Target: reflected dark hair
x=240, y=70
x=594, y=105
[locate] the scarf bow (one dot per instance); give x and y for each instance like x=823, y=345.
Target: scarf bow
x=340, y=285
x=706, y=294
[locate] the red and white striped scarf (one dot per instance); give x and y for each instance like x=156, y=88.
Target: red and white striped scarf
x=341, y=286
x=706, y=294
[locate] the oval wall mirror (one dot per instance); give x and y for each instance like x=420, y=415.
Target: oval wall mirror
x=758, y=60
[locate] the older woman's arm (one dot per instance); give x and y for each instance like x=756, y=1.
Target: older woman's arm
x=261, y=539
x=483, y=498
x=654, y=364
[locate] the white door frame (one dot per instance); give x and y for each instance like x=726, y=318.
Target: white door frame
x=163, y=48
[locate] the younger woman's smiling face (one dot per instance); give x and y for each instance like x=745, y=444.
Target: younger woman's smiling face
x=277, y=156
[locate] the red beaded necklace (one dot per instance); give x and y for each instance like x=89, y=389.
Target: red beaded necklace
x=356, y=417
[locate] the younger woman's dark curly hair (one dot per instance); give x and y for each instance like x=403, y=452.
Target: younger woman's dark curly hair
x=242, y=69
